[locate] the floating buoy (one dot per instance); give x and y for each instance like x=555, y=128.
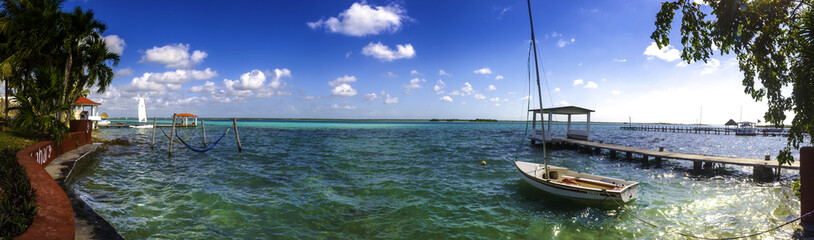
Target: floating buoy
x=483, y=163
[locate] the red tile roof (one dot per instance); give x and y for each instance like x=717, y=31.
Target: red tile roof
x=185, y=115
x=86, y=101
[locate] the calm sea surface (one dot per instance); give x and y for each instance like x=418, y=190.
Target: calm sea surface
x=416, y=180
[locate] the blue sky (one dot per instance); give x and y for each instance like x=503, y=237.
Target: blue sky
x=405, y=60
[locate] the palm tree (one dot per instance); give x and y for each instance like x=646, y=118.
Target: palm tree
x=34, y=115
x=86, y=54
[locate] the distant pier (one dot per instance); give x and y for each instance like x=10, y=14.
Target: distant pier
x=706, y=130
x=763, y=168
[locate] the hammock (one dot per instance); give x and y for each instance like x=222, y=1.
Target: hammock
x=176, y=134
x=206, y=148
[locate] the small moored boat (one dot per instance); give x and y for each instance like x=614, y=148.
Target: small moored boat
x=576, y=185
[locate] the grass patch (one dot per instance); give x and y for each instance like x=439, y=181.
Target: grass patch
x=14, y=141
x=17, y=198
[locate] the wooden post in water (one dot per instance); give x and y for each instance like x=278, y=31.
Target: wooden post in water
x=172, y=132
x=203, y=129
x=152, y=143
x=807, y=186
x=237, y=136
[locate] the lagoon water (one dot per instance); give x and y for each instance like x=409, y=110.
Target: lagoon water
x=417, y=180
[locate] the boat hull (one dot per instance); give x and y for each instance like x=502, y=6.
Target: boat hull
x=627, y=193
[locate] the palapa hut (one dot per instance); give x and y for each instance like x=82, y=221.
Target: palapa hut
x=731, y=122
x=185, y=120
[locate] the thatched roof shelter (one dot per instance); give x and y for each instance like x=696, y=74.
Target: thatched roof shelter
x=731, y=123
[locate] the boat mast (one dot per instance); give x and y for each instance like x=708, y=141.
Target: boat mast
x=539, y=91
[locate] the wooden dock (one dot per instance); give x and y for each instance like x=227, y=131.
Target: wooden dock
x=705, y=130
x=761, y=167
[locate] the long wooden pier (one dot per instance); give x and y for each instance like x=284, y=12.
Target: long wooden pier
x=762, y=167
x=705, y=130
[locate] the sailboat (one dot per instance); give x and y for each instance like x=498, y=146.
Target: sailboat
x=565, y=183
x=142, y=114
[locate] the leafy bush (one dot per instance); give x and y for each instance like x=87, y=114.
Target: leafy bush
x=17, y=198
x=795, y=187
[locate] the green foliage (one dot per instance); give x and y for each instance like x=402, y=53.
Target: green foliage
x=14, y=142
x=795, y=187
x=17, y=198
x=38, y=106
x=774, y=44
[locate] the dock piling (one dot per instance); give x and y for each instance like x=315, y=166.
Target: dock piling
x=152, y=143
x=203, y=130
x=629, y=155
x=172, y=133
x=237, y=136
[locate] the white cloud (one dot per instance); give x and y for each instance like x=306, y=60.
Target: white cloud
x=619, y=60
x=441, y=72
x=180, y=76
x=362, y=19
x=415, y=72
x=668, y=53
x=479, y=96
x=491, y=88
x=114, y=44
x=390, y=100
x=485, y=70
x=250, y=80
x=494, y=99
x=391, y=75
x=414, y=83
x=524, y=98
x=371, y=96
x=700, y=2
x=556, y=89
x=682, y=64
x=563, y=103
x=498, y=77
x=467, y=89
x=143, y=83
x=342, y=80
x=563, y=42
x=343, y=90
x=616, y=92
x=344, y=106
x=278, y=74
x=385, y=54
x=439, y=87
x=711, y=66
x=124, y=72
x=174, y=56
x=206, y=87
x=578, y=82
x=446, y=99
x=591, y=84
x=253, y=84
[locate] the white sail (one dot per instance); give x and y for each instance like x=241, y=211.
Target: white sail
x=142, y=110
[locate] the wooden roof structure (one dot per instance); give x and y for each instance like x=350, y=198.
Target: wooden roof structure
x=731, y=122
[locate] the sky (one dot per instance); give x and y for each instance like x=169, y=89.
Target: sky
x=407, y=60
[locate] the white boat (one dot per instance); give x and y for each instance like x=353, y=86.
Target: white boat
x=103, y=123
x=576, y=185
x=562, y=182
x=142, y=114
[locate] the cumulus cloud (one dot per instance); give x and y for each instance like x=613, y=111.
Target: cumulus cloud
x=341, y=80
x=415, y=72
x=344, y=106
x=446, y=99
x=616, y=92
x=174, y=56
x=362, y=19
x=124, y=72
x=619, y=60
x=388, y=99
x=391, y=75
x=563, y=103
x=182, y=76
x=668, y=53
x=114, y=44
x=371, y=96
x=206, y=87
x=383, y=94
x=467, y=89
x=479, y=96
x=439, y=87
x=343, y=90
x=385, y=54
x=494, y=99
x=578, y=82
x=253, y=83
x=414, y=83
x=485, y=70
x=498, y=77
x=711, y=66
x=556, y=89
x=441, y=72
x=491, y=88
x=591, y=84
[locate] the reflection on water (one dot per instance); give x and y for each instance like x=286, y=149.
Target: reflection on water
x=333, y=179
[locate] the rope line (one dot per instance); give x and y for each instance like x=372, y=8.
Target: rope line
x=676, y=231
x=528, y=105
x=176, y=134
x=206, y=148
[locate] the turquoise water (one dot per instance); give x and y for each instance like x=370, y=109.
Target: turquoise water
x=416, y=180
